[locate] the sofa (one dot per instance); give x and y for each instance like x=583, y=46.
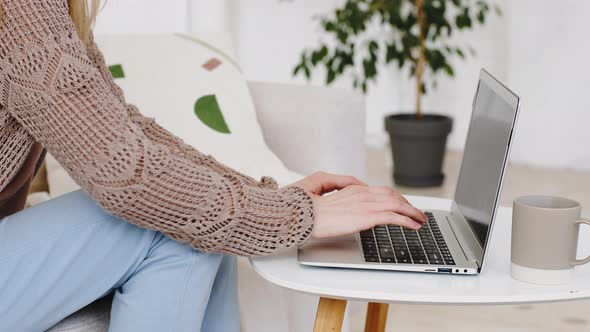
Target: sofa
x=319, y=129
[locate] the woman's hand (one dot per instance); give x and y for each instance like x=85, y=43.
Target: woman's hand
x=356, y=206
x=320, y=183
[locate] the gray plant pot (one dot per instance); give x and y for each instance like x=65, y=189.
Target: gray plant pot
x=418, y=148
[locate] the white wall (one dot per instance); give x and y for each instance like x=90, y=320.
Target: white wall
x=537, y=48
x=549, y=67
x=143, y=16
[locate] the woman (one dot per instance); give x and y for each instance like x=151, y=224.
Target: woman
x=157, y=222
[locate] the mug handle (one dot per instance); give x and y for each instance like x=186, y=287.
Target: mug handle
x=587, y=259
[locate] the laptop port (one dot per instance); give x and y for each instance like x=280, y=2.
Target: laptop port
x=444, y=270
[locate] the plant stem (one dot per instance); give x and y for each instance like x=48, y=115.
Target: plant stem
x=421, y=60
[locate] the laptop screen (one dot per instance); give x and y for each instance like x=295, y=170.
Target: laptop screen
x=486, y=149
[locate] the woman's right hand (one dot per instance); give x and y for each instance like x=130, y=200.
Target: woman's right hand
x=356, y=208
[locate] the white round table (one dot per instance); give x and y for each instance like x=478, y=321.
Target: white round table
x=493, y=286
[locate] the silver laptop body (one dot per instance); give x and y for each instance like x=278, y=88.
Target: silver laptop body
x=466, y=228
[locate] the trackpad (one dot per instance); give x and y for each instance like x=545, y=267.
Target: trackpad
x=331, y=241
x=340, y=249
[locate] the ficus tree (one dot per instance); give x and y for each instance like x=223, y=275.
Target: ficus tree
x=414, y=34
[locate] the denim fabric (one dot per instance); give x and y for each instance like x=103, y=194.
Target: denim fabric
x=61, y=255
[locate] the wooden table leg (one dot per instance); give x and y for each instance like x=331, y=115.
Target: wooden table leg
x=330, y=315
x=376, y=317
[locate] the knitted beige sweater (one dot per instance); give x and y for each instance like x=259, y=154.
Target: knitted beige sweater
x=56, y=91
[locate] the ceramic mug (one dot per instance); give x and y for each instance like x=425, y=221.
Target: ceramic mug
x=545, y=239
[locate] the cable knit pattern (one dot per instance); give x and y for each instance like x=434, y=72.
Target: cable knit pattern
x=55, y=91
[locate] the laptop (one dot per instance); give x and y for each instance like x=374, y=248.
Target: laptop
x=451, y=242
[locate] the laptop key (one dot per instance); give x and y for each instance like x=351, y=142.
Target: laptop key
x=386, y=252
x=421, y=259
x=372, y=259
x=388, y=260
x=402, y=254
x=434, y=256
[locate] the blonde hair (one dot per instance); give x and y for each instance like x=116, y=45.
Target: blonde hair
x=83, y=14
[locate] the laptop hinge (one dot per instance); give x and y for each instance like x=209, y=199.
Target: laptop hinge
x=466, y=240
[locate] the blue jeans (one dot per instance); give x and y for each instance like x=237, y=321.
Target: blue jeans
x=59, y=256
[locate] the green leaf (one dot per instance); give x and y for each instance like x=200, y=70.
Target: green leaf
x=117, y=71
x=297, y=69
x=449, y=70
x=318, y=55
x=460, y=53
x=481, y=17
x=370, y=68
x=323, y=51
x=331, y=76
x=373, y=47
x=208, y=111
x=307, y=72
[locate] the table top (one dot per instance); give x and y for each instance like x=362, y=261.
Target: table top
x=493, y=286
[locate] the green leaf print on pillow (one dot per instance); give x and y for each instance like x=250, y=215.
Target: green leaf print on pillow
x=117, y=71
x=208, y=111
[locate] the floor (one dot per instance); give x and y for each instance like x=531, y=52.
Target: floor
x=520, y=180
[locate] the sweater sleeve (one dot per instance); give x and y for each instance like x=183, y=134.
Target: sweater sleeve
x=133, y=168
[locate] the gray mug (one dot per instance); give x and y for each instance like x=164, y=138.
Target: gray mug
x=545, y=239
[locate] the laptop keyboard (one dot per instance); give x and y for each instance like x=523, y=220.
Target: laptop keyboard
x=394, y=244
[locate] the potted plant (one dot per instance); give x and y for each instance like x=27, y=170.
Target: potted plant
x=414, y=35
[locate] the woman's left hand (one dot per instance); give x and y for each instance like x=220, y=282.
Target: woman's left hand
x=320, y=183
